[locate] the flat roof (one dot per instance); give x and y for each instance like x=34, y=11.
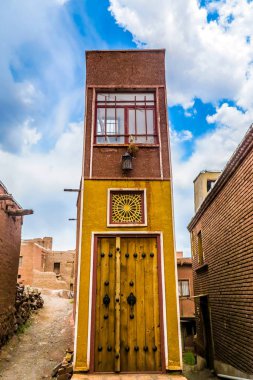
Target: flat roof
x=7, y=192
x=206, y=171
x=125, y=50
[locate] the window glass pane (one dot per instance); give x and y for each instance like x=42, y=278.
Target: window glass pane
x=110, y=122
x=131, y=122
x=141, y=125
x=179, y=289
x=127, y=98
x=100, y=121
x=185, y=288
x=150, y=122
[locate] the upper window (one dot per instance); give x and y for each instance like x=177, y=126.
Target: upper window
x=183, y=288
x=121, y=116
x=210, y=184
x=200, y=249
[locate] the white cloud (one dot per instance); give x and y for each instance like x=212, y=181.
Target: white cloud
x=210, y=152
x=181, y=136
x=41, y=56
x=207, y=60
x=29, y=135
x=37, y=181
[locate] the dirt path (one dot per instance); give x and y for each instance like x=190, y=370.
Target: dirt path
x=205, y=374
x=33, y=354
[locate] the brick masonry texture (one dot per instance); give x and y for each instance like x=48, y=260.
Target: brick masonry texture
x=184, y=272
x=10, y=238
x=227, y=232
x=129, y=72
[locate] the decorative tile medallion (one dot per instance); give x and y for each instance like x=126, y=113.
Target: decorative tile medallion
x=127, y=207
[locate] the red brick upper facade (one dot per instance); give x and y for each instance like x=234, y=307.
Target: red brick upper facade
x=134, y=72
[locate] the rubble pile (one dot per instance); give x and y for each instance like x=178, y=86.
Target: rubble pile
x=27, y=300
x=64, y=370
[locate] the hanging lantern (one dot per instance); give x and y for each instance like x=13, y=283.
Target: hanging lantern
x=127, y=161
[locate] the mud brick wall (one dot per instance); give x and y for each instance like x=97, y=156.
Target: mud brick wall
x=33, y=257
x=48, y=280
x=10, y=238
x=227, y=233
x=67, y=262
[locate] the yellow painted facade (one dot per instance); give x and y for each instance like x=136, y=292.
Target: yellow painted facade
x=159, y=220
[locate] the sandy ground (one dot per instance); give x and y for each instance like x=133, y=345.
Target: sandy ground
x=33, y=354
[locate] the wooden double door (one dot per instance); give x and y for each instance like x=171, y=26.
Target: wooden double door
x=127, y=323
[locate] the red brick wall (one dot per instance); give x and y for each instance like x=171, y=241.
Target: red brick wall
x=184, y=272
x=227, y=233
x=10, y=237
x=127, y=70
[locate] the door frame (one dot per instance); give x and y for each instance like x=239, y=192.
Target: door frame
x=92, y=296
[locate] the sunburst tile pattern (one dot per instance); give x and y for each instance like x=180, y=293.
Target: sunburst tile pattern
x=127, y=207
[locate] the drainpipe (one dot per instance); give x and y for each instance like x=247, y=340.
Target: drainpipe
x=231, y=377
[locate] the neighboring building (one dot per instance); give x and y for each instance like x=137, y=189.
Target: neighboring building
x=11, y=220
x=222, y=251
x=203, y=183
x=186, y=301
x=127, y=307
x=40, y=266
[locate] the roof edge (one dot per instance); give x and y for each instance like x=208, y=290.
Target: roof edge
x=125, y=50
x=237, y=157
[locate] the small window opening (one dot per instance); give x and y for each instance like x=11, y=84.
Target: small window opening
x=57, y=267
x=183, y=288
x=210, y=184
x=20, y=261
x=200, y=249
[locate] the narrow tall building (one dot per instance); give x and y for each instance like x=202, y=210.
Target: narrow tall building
x=127, y=316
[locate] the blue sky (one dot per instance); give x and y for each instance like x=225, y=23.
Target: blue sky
x=209, y=72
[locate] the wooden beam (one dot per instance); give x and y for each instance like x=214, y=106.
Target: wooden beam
x=19, y=212
x=72, y=190
x=117, y=307
x=6, y=197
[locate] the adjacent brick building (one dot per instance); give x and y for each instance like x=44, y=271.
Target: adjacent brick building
x=42, y=267
x=222, y=251
x=11, y=219
x=186, y=301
